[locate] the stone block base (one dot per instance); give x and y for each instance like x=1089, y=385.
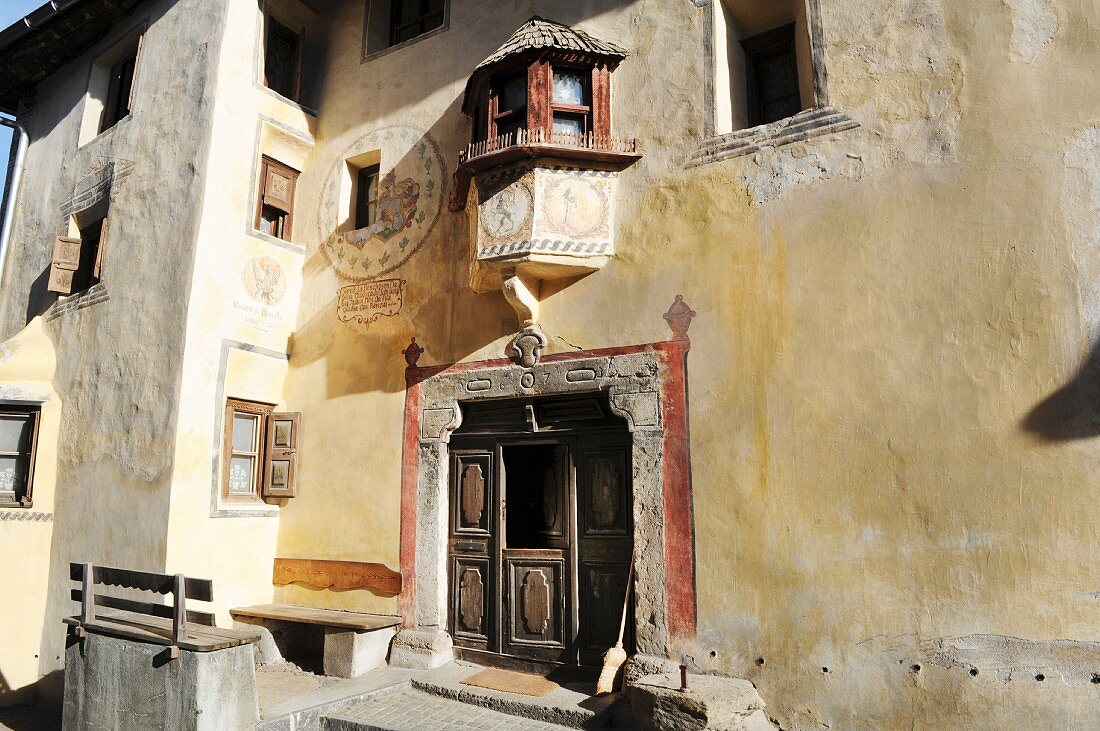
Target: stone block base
x=123, y=684
x=351, y=653
x=421, y=649
x=711, y=702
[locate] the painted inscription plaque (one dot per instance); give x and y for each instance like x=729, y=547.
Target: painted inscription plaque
x=367, y=302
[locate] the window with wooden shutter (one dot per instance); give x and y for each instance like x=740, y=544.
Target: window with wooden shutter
x=78, y=262
x=275, y=206
x=282, y=59
x=281, y=457
x=120, y=88
x=66, y=260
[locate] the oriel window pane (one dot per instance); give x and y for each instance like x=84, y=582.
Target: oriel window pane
x=569, y=88
x=242, y=471
x=244, y=432
x=514, y=93
x=570, y=125
x=15, y=430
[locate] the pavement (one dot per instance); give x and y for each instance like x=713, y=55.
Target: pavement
x=414, y=710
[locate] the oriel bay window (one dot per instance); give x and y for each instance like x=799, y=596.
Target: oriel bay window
x=556, y=94
x=260, y=454
x=18, y=440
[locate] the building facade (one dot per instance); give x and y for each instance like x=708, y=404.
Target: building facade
x=794, y=302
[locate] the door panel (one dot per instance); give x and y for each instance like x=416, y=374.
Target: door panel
x=605, y=525
x=536, y=605
x=474, y=570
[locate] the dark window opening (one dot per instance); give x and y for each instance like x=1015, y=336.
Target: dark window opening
x=508, y=105
x=412, y=18
x=772, y=75
x=281, y=60
x=366, y=203
x=119, y=91
x=273, y=222
x=91, y=243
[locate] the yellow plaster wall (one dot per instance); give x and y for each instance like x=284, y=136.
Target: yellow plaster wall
x=879, y=311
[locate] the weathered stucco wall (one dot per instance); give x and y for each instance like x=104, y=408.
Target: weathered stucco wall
x=892, y=371
x=118, y=348
x=881, y=312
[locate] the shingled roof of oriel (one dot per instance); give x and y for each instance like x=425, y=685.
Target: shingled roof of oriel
x=539, y=33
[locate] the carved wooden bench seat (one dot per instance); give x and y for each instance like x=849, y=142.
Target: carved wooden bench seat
x=353, y=642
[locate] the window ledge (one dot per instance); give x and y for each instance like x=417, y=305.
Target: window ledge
x=289, y=245
x=802, y=126
x=286, y=100
x=93, y=295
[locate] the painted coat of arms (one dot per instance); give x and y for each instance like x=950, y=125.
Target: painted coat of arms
x=410, y=201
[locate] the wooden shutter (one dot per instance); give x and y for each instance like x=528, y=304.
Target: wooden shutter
x=98, y=268
x=281, y=455
x=279, y=187
x=66, y=260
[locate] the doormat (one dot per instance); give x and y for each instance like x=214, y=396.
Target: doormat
x=512, y=682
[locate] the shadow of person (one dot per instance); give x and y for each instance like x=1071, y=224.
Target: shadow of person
x=1073, y=411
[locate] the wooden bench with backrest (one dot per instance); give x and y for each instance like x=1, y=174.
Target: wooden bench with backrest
x=118, y=676
x=354, y=642
x=173, y=625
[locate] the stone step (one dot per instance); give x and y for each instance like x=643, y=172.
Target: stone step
x=415, y=710
x=571, y=706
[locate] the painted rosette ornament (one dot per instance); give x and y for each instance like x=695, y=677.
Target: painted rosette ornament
x=410, y=200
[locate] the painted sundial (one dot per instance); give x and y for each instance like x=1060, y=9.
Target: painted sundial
x=409, y=204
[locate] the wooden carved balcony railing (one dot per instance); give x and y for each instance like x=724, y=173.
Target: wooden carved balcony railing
x=573, y=140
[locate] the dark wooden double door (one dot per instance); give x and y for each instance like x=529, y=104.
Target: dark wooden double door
x=541, y=534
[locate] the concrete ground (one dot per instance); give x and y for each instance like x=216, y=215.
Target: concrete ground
x=414, y=710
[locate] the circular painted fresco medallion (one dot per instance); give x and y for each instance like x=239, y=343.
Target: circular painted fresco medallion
x=264, y=280
x=576, y=207
x=410, y=200
x=507, y=213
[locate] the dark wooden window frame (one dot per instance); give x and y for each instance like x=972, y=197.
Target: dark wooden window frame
x=540, y=107
x=261, y=411
x=120, y=89
x=363, y=204
x=770, y=44
x=268, y=164
x=583, y=111
x=294, y=39
x=23, y=500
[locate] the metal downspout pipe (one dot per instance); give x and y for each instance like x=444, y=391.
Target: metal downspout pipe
x=13, y=191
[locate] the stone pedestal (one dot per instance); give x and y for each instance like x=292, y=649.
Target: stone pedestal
x=123, y=684
x=711, y=702
x=351, y=653
x=421, y=649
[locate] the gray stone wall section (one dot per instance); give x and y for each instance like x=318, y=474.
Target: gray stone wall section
x=633, y=384
x=115, y=683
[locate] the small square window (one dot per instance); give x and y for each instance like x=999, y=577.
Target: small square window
x=282, y=59
x=260, y=452
x=275, y=203
x=120, y=90
x=18, y=440
x=78, y=262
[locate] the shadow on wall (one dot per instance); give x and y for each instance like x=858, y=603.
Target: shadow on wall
x=1073, y=411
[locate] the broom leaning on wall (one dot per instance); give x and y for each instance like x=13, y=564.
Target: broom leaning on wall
x=614, y=658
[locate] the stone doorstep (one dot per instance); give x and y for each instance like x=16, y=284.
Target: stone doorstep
x=572, y=705
x=303, y=712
